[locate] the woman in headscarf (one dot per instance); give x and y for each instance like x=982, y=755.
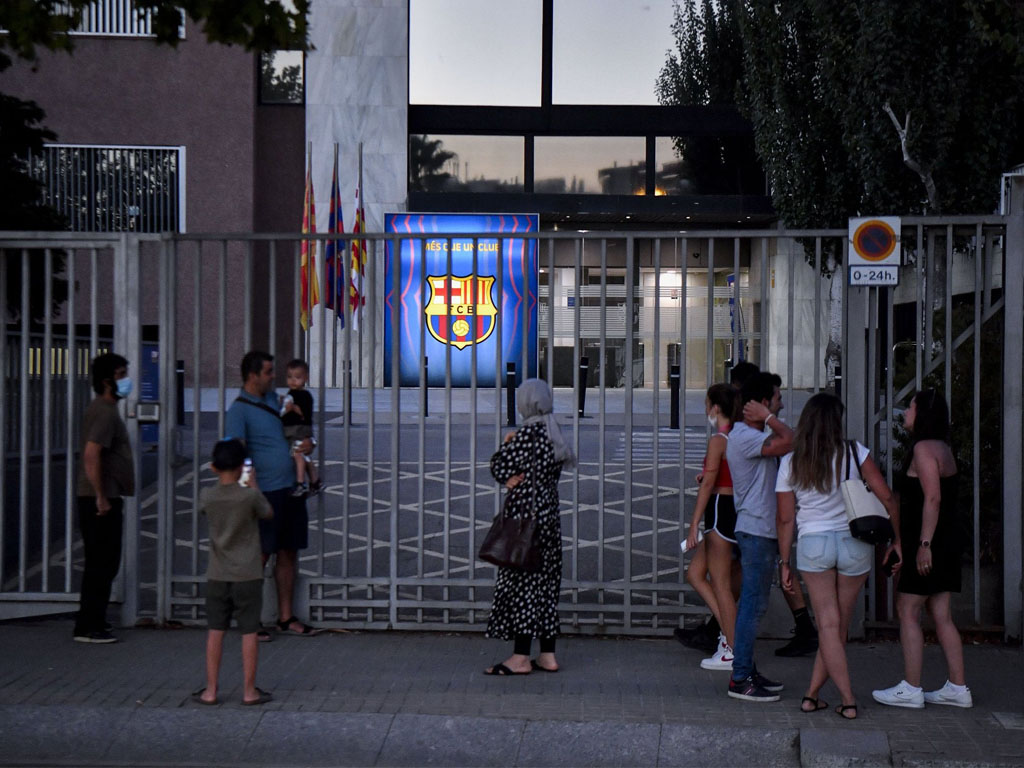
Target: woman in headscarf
x=529, y=464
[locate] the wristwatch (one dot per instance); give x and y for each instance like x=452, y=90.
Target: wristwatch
x=924, y=544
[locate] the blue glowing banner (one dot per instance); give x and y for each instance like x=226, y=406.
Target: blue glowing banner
x=457, y=310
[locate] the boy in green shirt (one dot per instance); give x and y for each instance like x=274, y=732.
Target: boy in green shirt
x=234, y=577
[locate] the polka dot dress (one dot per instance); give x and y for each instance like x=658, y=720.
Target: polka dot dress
x=527, y=603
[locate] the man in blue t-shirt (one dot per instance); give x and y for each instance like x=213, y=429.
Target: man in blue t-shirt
x=255, y=419
x=752, y=457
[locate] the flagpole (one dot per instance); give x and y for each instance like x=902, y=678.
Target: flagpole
x=308, y=298
x=333, y=288
x=362, y=287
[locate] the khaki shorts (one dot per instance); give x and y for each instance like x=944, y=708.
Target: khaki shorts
x=242, y=600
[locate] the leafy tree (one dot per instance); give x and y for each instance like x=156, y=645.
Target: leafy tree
x=861, y=106
x=280, y=84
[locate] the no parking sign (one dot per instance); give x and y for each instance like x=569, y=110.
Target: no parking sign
x=874, y=252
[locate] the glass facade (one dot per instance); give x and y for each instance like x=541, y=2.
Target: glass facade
x=590, y=165
x=447, y=163
x=475, y=52
x=609, y=51
x=707, y=165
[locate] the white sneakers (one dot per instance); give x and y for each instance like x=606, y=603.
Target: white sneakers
x=951, y=695
x=906, y=695
x=722, y=658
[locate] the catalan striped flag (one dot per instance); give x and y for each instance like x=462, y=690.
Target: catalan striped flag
x=310, y=288
x=333, y=252
x=355, y=297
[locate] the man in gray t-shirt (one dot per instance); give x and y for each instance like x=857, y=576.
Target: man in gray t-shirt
x=752, y=457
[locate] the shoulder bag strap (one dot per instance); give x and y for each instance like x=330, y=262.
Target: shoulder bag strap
x=255, y=404
x=849, y=446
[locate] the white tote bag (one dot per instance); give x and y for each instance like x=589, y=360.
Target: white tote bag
x=869, y=522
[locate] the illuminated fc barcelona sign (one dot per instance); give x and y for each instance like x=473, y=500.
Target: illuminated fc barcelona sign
x=457, y=305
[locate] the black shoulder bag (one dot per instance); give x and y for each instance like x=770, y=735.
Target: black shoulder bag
x=510, y=541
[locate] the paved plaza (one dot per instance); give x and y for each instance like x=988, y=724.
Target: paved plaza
x=394, y=698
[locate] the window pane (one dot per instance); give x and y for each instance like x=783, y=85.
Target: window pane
x=466, y=163
x=609, y=51
x=282, y=77
x=707, y=165
x=475, y=52
x=589, y=165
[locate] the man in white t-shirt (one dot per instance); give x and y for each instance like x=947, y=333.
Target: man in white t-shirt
x=752, y=457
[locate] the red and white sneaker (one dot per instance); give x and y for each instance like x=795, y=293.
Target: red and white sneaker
x=722, y=659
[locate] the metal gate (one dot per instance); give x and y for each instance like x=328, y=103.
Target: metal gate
x=409, y=495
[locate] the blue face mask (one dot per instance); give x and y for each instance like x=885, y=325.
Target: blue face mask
x=124, y=387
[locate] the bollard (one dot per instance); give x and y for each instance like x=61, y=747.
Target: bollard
x=673, y=383
x=510, y=393
x=839, y=380
x=426, y=389
x=179, y=373
x=584, y=367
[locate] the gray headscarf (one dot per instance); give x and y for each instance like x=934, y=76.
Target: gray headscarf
x=534, y=403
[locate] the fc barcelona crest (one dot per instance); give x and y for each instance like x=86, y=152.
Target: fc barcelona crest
x=460, y=310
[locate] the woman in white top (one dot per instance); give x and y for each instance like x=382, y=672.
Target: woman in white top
x=834, y=565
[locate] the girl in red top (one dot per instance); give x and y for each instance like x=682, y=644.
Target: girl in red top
x=713, y=556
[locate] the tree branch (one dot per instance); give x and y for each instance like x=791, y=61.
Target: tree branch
x=925, y=174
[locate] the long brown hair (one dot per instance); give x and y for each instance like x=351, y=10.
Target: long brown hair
x=818, y=446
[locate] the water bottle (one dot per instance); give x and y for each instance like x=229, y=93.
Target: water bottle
x=246, y=472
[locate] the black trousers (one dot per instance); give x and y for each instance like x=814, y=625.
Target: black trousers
x=101, y=535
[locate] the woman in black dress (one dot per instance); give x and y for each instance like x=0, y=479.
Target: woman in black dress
x=931, y=538
x=529, y=464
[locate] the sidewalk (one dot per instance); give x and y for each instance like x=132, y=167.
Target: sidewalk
x=391, y=698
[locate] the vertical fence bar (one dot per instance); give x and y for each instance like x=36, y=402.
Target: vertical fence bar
x=424, y=395
x=709, y=340
x=791, y=292
x=683, y=309
x=396, y=410
x=197, y=404
x=763, y=358
x=272, y=298
x=23, y=445
x=627, y=533
x=656, y=498
x=601, y=418
x=947, y=343
x=817, y=314
x=4, y=373
x=499, y=280
x=577, y=353
x=551, y=314
x=247, y=301
x=346, y=436
x=71, y=372
x=297, y=339
x=222, y=332
x=321, y=420
x=471, y=527
x=929, y=300
x=872, y=424
x=976, y=423
x=94, y=336
x=737, y=314
x=446, y=519
x=919, y=274
x=47, y=372
x=371, y=467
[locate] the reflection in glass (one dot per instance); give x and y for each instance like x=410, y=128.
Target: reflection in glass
x=707, y=165
x=480, y=164
x=609, y=51
x=282, y=77
x=475, y=52
x=589, y=165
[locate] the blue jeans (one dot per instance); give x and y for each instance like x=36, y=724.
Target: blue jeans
x=757, y=556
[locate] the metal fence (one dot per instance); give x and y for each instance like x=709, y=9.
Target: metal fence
x=408, y=493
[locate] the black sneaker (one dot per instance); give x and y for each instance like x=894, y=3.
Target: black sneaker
x=749, y=690
x=800, y=645
x=101, y=637
x=768, y=685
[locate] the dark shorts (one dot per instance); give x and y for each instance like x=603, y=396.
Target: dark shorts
x=241, y=599
x=720, y=517
x=298, y=432
x=289, y=528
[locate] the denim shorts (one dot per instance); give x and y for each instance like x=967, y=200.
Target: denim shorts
x=823, y=551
